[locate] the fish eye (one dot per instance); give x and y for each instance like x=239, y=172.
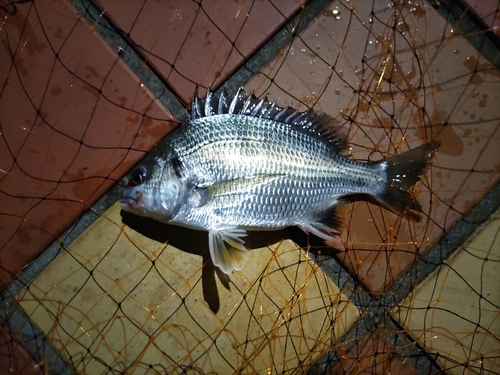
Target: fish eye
x=137, y=177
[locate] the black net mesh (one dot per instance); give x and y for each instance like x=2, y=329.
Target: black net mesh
x=87, y=88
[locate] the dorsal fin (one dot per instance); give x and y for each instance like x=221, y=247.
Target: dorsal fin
x=320, y=126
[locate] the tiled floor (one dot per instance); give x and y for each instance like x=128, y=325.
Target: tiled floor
x=488, y=11
x=144, y=300
x=72, y=125
x=205, y=43
x=394, y=76
x=455, y=312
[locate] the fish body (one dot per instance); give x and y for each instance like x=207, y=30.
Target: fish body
x=247, y=164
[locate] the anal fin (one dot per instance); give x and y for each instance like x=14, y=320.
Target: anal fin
x=328, y=224
x=227, y=249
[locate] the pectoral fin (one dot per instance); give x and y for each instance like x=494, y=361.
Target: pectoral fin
x=227, y=249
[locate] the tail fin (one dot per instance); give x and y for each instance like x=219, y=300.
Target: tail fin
x=402, y=172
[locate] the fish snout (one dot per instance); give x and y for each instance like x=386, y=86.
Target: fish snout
x=130, y=198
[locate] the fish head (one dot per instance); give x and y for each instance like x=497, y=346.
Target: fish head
x=155, y=189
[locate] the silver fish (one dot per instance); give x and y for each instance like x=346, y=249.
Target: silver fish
x=243, y=163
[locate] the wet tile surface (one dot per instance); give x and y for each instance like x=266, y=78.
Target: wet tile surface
x=124, y=296
x=74, y=120
x=14, y=359
x=489, y=11
x=454, y=314
x=206, y=40
x=372, y=354
x=384, y=115
x=391, y=88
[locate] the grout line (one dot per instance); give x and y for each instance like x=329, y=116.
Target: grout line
x=488, y=45
x=32, y=338
x=131, y=56
x=472, y=27
x=273, y=46
x=374, y=312
x=17, y=320
x=15, y=317
x=447, y=245
x=422, y=361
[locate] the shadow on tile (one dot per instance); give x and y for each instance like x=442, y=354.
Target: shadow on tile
x=197, y=242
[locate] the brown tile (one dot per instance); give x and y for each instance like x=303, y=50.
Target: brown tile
x=74, y=120
x=14, y=359
x=372, y=354
x=489, y=11
x=193, y=43
x=416, y=101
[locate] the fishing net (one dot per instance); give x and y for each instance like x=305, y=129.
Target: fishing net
x=87, y=88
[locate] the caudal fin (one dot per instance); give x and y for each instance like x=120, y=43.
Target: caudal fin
x=402, y=172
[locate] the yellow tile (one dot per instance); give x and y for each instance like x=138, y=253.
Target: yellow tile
x=455, y=311
x=104, y=303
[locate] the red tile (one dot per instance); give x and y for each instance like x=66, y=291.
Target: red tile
x=74, y=120
x=191, y=43
x=372, y=354
x=489, y=11
x=449, y=95
x=14, y=359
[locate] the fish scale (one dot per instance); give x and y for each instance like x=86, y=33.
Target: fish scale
x=244, y=163
x=317, y=178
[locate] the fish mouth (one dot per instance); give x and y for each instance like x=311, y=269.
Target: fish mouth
x=128, y=202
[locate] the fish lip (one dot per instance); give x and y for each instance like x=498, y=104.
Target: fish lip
x=128, y=201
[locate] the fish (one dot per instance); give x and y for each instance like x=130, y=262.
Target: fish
x=243, y=164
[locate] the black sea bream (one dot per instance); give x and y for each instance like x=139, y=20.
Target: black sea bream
x=242, y=163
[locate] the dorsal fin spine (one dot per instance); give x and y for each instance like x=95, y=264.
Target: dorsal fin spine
x=233, y=102
x=255, y=111
x=208, y=100
x=222, y=107
x=247, y=104
x=320, y=126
